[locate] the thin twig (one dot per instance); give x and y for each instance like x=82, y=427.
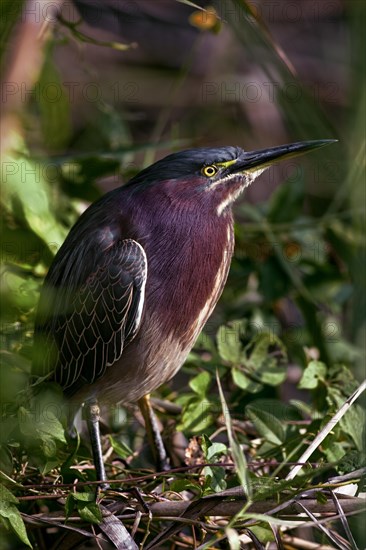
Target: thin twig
x=327, y=428
x=182, y=469
x=174, y=509
x=327, y=532
x=344, y=520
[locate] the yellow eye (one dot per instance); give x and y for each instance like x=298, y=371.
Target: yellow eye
x=209, y=171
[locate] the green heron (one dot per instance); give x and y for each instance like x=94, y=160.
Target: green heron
x=139, y=274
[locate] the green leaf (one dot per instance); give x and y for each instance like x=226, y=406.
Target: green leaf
x=53, y=104
x=49, y=446
x=342, y=378
x=50, y=426
x=205, y=443
x=259, y=362
x=241, y=380
x=263, y=533
x=21, y=290
x=43, y=432
x=179, y=485
x=271, y=373
x=197, y=416
x=6, y=459
x=69, y=505
x=228, y=341
x=17, y=523
x=10, y=14
x=353, y=422
x=10, y=512
x=282, y=411
x=205, y=342
x=83, y=497
x=321, y=497
x=212, y=450
x=268, y=426
x=90, y=512
x=86, y=506
x=333, y=450
x=286, y=202
x=7, y=496
x=200, y=384
x=215, y=451
x=42, y=418
x=344, y=352
x=120, y=448
x=236, y=451
x=314, y=373
x=48, y=465
x=353, y=460
x=262, y=343
x=27, y=195
x=215, y=478
x=266, y=488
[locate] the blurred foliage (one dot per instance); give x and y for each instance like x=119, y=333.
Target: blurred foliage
x=285, y=338
x=10, y=13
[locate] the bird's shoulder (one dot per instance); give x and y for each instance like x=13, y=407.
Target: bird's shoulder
x=102, y=235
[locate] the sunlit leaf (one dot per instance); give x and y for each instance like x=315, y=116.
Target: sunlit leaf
x=244, y=382
x=200, y=384
x=228, y=341
x=27, y=195
x=313, y=375
x=215, y=450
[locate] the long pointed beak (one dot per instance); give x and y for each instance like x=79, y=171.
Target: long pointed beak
x=256, y=160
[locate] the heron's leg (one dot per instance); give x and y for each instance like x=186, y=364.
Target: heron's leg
x=153, y=434
x=110, y=525
x=92, y=416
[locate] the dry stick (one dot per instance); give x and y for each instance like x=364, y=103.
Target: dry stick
x=327, y=428
x=174, y=509
x=230, y=508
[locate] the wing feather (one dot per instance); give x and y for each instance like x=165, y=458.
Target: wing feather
x=86, y=319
